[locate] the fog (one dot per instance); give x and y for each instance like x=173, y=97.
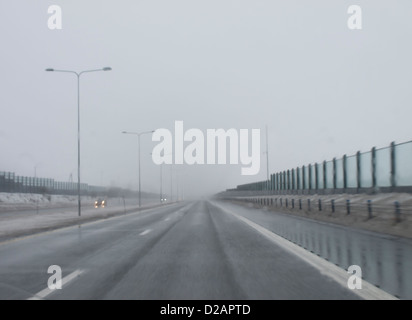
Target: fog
x=294, y=66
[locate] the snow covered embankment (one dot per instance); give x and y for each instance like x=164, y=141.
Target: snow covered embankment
x=28, y=201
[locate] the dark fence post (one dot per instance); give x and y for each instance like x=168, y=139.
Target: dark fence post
x=271, y=184
x=310, y=176
x=288, y=180
x=393, y=165
x=373, y=152
x=303, y=178
x=332, y=203
x=347, y=206
x=280, y=181
x=358, y=170
x=320, y=204
x=345, y=176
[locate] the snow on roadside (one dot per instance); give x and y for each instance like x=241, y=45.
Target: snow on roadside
x=26, y=201
x=19, y=198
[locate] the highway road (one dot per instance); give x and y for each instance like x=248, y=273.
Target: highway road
x=197, y=250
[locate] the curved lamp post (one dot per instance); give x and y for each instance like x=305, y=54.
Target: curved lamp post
x=78, y=74
x=138, y=134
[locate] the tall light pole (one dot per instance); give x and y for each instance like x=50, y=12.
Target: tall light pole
x=171, y=176
x=138, y=134
x=171, y=182
x=37, y=190
x=267, y=155
x=78, y=74
x=161, y=179
x=161, y=183
x=177, y=186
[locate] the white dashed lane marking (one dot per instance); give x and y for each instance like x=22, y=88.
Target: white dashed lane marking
x=44, y=293
x=145, y=232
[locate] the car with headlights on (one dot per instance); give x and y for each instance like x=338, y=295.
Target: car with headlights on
x=100, y=203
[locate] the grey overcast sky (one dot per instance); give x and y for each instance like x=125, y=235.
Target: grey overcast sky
x=323, y=90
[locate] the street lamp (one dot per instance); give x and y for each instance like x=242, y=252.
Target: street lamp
x=78, y=74
x=171, y=182
x=138, y=135
x=161, y=183
x=267, y=155
x=161, y=180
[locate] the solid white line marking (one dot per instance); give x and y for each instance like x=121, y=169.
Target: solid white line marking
x=145, y=232
x=44, y=293
x=368, y=291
